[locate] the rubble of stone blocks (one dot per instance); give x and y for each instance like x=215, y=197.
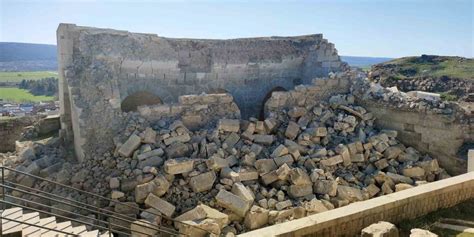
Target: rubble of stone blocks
x=251, y=173
x=235, y=175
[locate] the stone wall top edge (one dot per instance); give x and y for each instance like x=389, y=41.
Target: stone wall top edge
x=95, y=30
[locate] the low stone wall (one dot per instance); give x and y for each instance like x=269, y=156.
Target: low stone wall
x=439, y=135
x=10, y=131
x=309, y=95
x=350, y=220
x=195, y=111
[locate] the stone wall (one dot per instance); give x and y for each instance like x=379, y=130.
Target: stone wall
x=439, y=135
x=310, y=95
x=10, y=131
x=99, y=68
x=195, y=111
x=350, y=220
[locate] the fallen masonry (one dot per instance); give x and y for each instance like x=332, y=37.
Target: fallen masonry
x=304, y=158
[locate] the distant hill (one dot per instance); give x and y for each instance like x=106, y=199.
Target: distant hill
x=26, y=52
x=27, y=57
x=427, y=66
x=356, y=61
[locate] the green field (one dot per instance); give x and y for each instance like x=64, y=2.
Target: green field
x=19, y=76
x=454, y=67
x=19, y=95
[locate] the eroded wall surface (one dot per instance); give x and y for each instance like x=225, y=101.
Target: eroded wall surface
x=99, y=68
x=439, y=135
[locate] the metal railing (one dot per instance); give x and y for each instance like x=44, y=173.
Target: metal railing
x=103, y=219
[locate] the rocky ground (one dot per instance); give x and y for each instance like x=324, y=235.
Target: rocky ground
x=245, y=174
x=450, y=76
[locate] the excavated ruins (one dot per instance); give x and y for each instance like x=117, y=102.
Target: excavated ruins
x=234, y=135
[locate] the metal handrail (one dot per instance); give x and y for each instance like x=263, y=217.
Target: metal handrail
x=101, y=197
x=99, y=211
x=68, y=212
x=125, y=217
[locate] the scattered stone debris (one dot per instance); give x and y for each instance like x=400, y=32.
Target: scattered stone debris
x=245, y=174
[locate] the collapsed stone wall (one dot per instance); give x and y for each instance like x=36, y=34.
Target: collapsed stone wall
x=195, y=111
x=99, y=68
x=11, y=130
x=438, y=135
x=434, y=127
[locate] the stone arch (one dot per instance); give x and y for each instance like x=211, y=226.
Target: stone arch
x=132, y=101
x=267, y=96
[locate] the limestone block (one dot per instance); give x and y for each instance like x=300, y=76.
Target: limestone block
x=392, y=152
x=286, y=159
x=229, y=125
x=399, y=178
x=242, y=191
x=300, y=190
x=265, y=165
x=298, y=176
x=130, y=146
x=281, y=150
x=421, y=233
x=292, y=130
x=283, y=204
x=203, y=182
x=349, y=193
x=325, y=187
x=402, y=186
x=180, y=138
x=155, y=152
x=256, y=218
x=314, y=206
x=372, y=189
x=380, y=229
x=232, y=202
x=414, y=172
x=332, y=161
x=246, y=173
x=149, y=136
x=177, y=149
x=263, y=139
x=179, y=165
x=159, y=204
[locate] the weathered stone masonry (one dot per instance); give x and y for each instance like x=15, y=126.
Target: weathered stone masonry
x=99, y=68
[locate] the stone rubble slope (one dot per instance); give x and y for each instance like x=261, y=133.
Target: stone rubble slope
x=244, y=174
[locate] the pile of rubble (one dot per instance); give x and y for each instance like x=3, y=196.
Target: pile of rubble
x=245, y=174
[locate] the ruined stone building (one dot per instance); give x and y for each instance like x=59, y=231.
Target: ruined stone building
x=106, y=72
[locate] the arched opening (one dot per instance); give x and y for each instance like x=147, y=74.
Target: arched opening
x=131, y=102
x=267, y=96
x=217, y=91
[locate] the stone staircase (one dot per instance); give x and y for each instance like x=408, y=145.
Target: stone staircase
x=462, y=226
x=16, y=222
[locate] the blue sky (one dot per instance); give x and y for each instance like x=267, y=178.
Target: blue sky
x=390, y=28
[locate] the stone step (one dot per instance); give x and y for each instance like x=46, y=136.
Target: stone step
x=106, y=234
x=28, y=230
x=9, y=227
x=79, y=229
x=457, y=222
x=62, y=226
x=49, y=222
x=93, y=233
x=459, y=228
